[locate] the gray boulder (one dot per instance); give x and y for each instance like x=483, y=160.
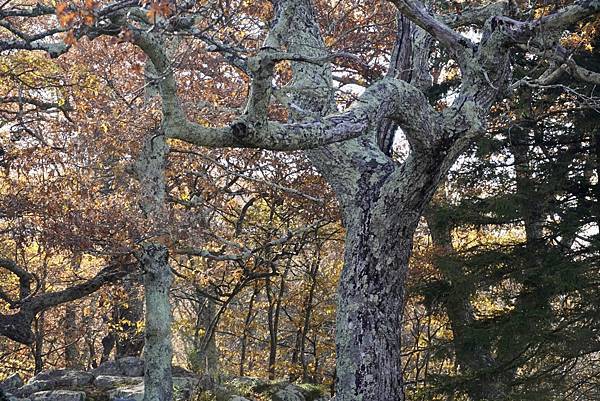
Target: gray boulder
x=125, y=388
x=13, y=398
x=129, y=366
x=105, y=382
x=61, y=378
x=133, y=393
x=186, y=382
x=58, y=395
x=248, y=385
x=289, y=393
x=11, y=382
x=28, y=389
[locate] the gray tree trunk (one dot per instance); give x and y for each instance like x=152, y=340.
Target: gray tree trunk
x=71, y=335
x=158, y=353
x=153, y=257
x=381, y=209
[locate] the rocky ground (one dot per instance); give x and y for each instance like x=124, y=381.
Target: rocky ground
x=122, y=380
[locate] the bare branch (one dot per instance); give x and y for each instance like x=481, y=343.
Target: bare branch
x=17, y=326
x=476, y=15
x=459, y=46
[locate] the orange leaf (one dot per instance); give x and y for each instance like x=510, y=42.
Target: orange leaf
x=165, y=8
x=70, y=39
x=89, y=20
x=137, y=68
x=60, y=8
x=66, y=19
x=151, y=13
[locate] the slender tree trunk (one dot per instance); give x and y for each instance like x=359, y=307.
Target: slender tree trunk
x=153, y=256
x=70, y=329
x=38, y=344
x=212, y=352
x=314, y=270
x=247, y=321
x=273, y=314
x=71, y=334
x=272, y=330
x=158, y=384
x=295, y=353
x=130, y=342
x=206, y=356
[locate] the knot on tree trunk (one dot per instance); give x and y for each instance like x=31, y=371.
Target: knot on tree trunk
x=154, y=260
x=240, y=130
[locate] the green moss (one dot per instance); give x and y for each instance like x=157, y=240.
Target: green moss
x=312, y=392
x=94, y=394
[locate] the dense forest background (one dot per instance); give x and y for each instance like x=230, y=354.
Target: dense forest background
x=504, y=280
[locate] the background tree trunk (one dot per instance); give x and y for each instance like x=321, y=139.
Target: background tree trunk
x=71, y=335
x=474, y=358
x=129, y=342
x=246, y=332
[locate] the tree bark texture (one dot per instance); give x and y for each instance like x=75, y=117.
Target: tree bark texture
x=153, y=257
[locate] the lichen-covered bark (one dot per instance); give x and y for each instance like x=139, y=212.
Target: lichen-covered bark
x=381, y=203
x=158, y=352
x=153, y=257
x=382, y=200
x=369, y=315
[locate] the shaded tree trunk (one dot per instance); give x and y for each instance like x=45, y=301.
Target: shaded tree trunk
x=38, y=345
x=247, y=321
x=487, y=381
x=108, y=343
x=314, y=270
x=71, y=335
x=212, y=353
x=70, y=326
x=205, y=355
x=273, y=314
x=130, y=342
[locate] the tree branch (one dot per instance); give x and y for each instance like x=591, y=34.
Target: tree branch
x=458, y=46
x=17, y=326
